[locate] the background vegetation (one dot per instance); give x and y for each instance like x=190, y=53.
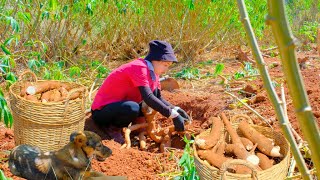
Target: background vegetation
x=48, y=36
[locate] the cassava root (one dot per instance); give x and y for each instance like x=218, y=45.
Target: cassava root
x=47, y=91
x=265, y=145
x=210, y=140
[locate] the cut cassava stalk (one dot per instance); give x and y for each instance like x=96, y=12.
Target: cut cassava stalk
x=265, y=162
x=210, y=140
x=264, y=144
x=239, y=150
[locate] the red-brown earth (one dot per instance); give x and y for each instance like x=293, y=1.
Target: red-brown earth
x=202, y=99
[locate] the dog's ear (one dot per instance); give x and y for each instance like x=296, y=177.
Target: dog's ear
x=78, y=138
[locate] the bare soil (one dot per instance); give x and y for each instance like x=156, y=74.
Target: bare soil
x=202, y=99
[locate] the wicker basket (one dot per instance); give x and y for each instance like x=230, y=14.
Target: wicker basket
x=278, y=171
x=46, y=125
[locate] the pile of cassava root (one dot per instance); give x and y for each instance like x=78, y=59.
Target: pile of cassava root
x=47, y=91
x=160, y=135
x=251, y=146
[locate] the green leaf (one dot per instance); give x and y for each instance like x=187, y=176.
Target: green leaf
x=218, y=69
x=9, y=83
x=5, y=50
x=84, y=41
x=65, y=8
x=59, y=64
x=95, y=63
x=11, y=63
x=8, y=41
x=3, y=177
x=89, y=9
x=11, y=77
x=47, y=74
x=1, y=110
x=25, y=17
x=44, y=46
x=191, y=4
x=45, y=15
x=102, y=72
x=239, y=75
x=29, y=43
x=7, y=117
x=33, y=64
x=53, y=4
x=74, y=71
x=14, y=24
x=4, y=111
x=3, y=68
x=1, y=94
x=183, y=158
x=57, y=75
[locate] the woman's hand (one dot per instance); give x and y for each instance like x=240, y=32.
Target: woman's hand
x=178, y=119
x=178, y=123
x=182, y=112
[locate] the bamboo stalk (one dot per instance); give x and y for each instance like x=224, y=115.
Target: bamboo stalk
x=270, y=89
x=286, y=43
x=298, y=138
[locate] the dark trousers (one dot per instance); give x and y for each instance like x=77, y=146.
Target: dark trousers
x=119, y=114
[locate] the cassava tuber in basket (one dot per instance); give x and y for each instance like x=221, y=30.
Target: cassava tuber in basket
x=219, y=164
x=46, y=120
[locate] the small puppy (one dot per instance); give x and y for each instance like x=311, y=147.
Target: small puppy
x=70, y=162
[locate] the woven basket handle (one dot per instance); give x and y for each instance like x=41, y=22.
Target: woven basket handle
x=228, y=163
x=33, y=75
x=82, y=90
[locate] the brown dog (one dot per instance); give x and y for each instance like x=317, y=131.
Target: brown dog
x=70, y=162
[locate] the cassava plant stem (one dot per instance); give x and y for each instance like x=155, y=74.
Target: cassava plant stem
x=270, y=89
x=298, y=138
x=286, y=43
